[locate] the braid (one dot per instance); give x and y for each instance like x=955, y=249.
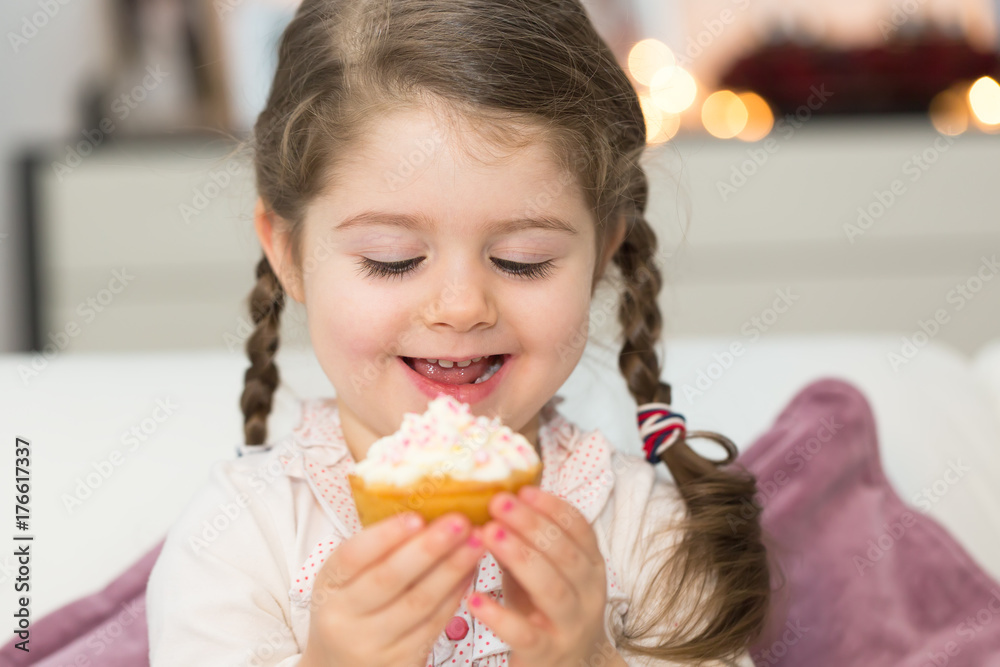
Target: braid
x=261, y=379
x=732, y=551
x=640, y=318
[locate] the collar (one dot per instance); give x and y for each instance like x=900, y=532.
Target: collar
x=576, y=467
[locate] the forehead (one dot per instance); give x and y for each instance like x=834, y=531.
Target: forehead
x=444, y=165
x=476, y=139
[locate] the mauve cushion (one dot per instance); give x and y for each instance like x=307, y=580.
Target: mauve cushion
x=104, y=629
x=869, y=580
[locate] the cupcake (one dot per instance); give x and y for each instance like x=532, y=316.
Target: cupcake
x=445, y=460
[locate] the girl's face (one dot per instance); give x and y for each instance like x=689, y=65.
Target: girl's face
x=420, y=252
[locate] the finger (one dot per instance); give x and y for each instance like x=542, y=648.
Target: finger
x=549, y=539
x=524, y=635
x=420, y=602
x=424, y=635
x=550, y=591
x=389, y=578
x=366, y=548
x=567, y=517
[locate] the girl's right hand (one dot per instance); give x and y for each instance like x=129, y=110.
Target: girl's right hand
x=383, y=597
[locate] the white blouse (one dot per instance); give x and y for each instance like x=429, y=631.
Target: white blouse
x=232, y=584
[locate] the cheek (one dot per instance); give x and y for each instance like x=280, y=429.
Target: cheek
x=355, y=321
x=564, y=312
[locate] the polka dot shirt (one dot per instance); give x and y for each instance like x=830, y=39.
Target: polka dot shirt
x=576, y=467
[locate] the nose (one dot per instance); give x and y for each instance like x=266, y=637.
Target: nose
x=463, y=301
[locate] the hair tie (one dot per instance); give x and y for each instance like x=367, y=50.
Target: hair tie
x=660, y=427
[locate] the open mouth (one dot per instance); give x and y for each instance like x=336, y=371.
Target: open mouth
x=474, y=371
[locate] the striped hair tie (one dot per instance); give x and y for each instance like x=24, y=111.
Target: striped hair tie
x=659, y=428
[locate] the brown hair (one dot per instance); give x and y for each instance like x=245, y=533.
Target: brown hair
x=515, y=64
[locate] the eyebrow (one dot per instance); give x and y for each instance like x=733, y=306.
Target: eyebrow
x=419, y=222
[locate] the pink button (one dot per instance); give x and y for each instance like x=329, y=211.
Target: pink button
x=457, y=628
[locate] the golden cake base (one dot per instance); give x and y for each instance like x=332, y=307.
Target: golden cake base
x=435, y=496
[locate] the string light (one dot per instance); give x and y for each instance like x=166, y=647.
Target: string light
x=760, y=118
x=673, y=89
x=984, y=100
x=949, y=112
x=724, y=114
x=660, y=126
x=647, y=58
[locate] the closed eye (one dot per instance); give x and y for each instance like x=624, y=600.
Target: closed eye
x=399, y=269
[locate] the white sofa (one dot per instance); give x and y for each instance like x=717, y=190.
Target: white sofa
x=169, y=415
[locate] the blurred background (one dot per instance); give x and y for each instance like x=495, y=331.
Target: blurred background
x=825, y=185
x=815, y=166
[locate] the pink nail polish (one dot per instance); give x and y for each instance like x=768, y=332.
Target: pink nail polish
x=475, y=602
x=507, y=506
x=475, y=542
x=500, y=534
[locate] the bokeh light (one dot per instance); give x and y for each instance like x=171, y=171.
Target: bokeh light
x=949, y=112
x=724, y=114
x=653, y=116
x=673, y=89
x=671, y=123
x=660, y=126
x=760, y=118
x=647, y=58
x=984, y=100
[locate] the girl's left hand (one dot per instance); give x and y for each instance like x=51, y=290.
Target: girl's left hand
x=554, y=582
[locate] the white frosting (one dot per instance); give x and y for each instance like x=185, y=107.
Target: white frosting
x=446, y=440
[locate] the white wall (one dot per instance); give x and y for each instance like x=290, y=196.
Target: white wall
x=40, y=82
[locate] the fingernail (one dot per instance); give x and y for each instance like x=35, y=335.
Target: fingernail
x=507, y=505
x=413, y=521
x=475, y=601
x=475, y=542
x=457, y=527
x=500, y=534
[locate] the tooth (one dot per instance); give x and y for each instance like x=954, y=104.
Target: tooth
x=432, y=361
x=444, y=363
x=477, y=359
x=490, y=372
x=463, y=364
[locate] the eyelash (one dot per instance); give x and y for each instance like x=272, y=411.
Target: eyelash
x=394, y=269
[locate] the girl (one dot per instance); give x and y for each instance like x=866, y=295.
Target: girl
x=442, y=184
